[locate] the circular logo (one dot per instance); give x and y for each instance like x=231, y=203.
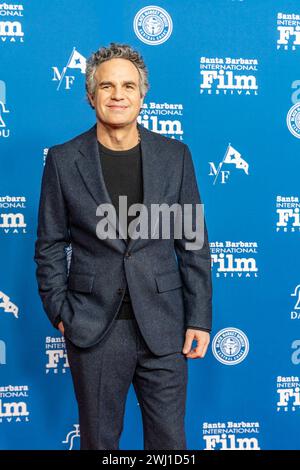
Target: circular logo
x=293, y=120
x=230, y=346
x=153, y=25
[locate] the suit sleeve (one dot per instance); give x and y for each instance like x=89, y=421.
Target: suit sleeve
x=194, y=264
x=52, y=239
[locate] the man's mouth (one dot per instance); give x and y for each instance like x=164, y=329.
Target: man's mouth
x=117, y=107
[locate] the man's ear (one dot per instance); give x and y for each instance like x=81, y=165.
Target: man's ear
x=91, y=100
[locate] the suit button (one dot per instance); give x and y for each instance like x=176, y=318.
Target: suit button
x=128, y=254
x=120, y=290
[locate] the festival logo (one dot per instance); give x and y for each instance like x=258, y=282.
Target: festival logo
x=288, y=214
x=295, y=313
x=13, y=403
x=10, y=23
x=228, y=76
x=57, y=359
x=288, y=28
x=12, y=223
x=221, y=173
x=230, y=346
x=227, y=261
x=163, y=118
x=227, y=435
x=153, y=25
x=288, y=393
x=72, y=436
x=7, y=306
x=293, y=120
x=62, y=77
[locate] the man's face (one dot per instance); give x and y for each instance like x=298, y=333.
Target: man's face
x=117, y=98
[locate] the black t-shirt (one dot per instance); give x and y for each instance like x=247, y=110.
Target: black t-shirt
x=122, y=172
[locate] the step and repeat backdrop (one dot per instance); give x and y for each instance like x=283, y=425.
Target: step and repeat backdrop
x=224, y=79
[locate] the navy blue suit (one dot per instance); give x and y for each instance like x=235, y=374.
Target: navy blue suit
x=170, y=286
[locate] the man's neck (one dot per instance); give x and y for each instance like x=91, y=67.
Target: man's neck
x=119, y=138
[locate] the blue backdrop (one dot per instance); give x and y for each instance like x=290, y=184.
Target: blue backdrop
x=224, y=78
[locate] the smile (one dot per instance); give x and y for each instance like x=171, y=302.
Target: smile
x=117, y=107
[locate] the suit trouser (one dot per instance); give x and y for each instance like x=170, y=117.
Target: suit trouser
x=102, y=375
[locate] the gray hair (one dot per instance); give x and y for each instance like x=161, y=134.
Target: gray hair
x=115, y=51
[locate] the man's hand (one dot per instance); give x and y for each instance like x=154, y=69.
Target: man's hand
x=202, y=338
x=60, y=326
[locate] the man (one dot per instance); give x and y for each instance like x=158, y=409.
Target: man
x=129, y=307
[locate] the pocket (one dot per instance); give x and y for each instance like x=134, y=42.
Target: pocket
x=168, y=281
x=81, y=282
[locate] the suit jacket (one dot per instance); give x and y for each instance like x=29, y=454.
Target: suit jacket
x=170, y=286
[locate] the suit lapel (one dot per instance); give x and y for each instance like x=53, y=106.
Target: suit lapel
x=89, y=166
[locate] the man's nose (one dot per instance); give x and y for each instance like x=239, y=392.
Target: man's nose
x=117, y=93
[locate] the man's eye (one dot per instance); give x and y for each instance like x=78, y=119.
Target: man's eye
x=129, y=86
